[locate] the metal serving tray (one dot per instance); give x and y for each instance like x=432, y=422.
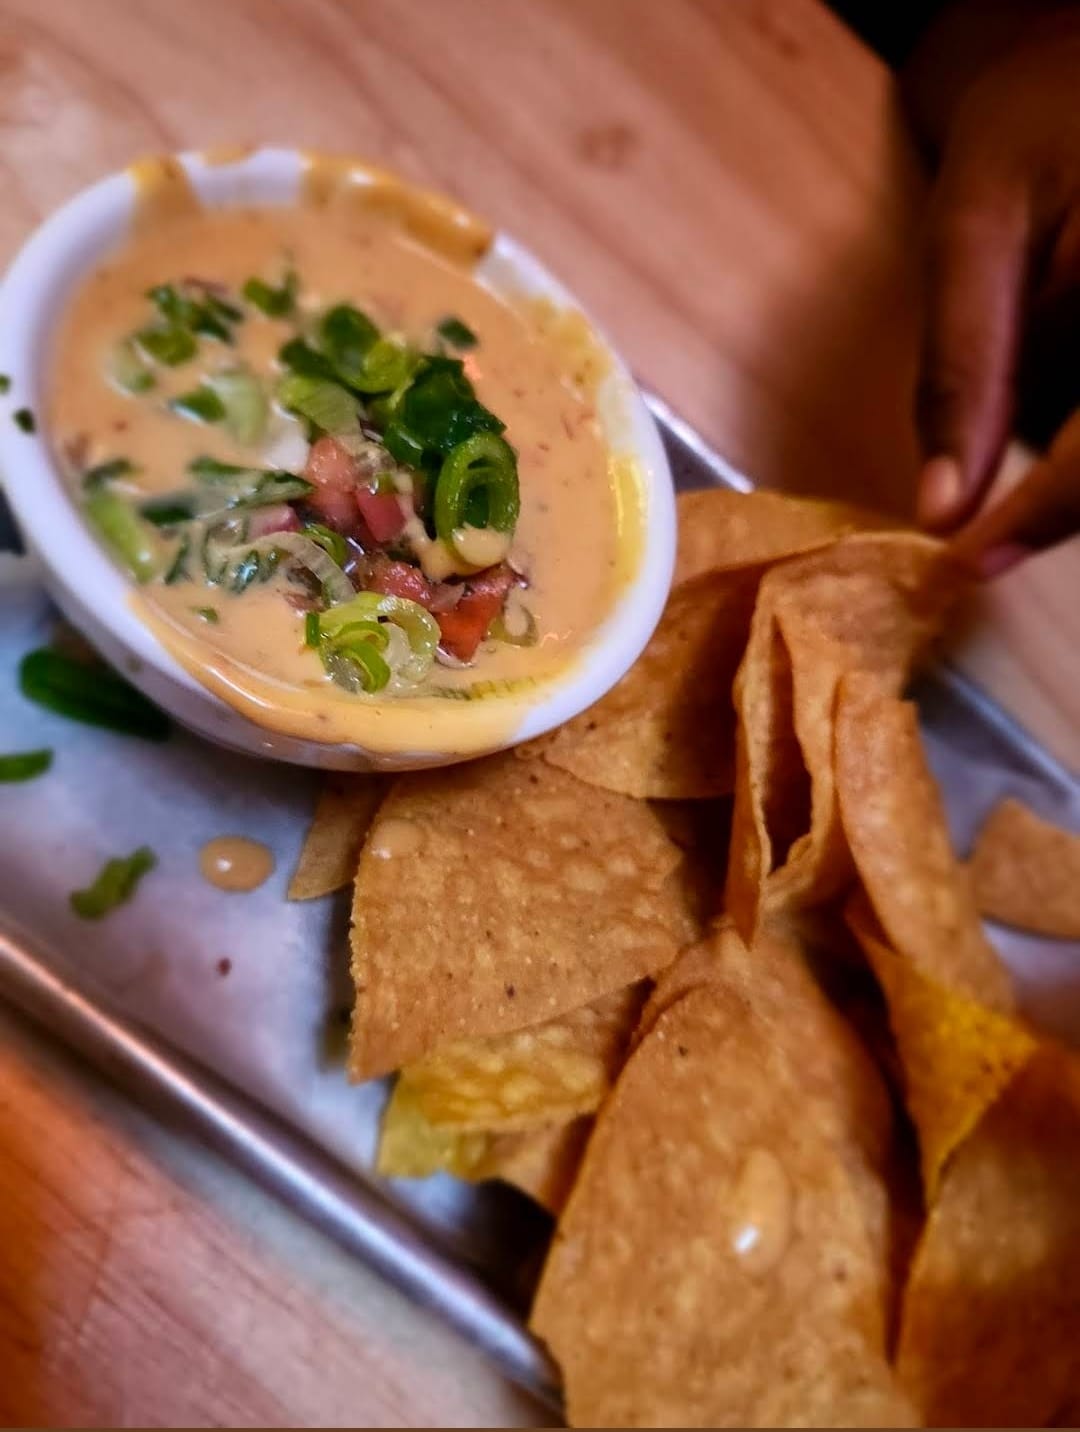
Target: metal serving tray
x=226, y=1009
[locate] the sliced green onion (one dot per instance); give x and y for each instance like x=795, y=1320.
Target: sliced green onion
x=419, y=626
x=207, y=614
x=300, y=358
x=178, y=567
x=329, y=540
x=345, y=336
x=352, y=632
x=441, y=409
x=168, y=345
x=91, y=694
x=311, y=629
x=250, y=487
x=457, y=333
x=402, y=445
x=385, y=367
x=5, y=384
x=528, y=637
x=127, y=369
x=274, y=302
x=486, y=465
x=115, y=884
x=210, y=317
x=168, y=511
x=25, y=420
x=105, y=472
x=132, y=541
x=233, y=564
x=210, y=468
x=176, y=308
x=246, y=408
x=202, y=404
x=361, y=668
x=323, y=403
x=25, y=765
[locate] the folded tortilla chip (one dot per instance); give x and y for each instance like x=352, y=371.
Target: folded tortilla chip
x=720, y=529
x=956, y=1055
x=988, y=1334
x=1026, y=872
x=540, y=1076
x=869, y=603
x=501, y=894
x=331, y=851
x=895, y=825
x=542, y=1162
x=712, y=1266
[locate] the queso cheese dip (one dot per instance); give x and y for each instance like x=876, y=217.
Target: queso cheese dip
x=349, y=479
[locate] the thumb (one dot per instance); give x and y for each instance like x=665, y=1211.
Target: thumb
x=976, y=274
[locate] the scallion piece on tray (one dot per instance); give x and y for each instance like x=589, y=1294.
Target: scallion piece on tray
x=25, y=765
x=115, y=884
x=5, y=384
x=25, y=420
x=91, y=694
x=457, y=333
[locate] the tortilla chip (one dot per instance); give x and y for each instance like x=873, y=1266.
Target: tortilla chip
x=500, y=894
x=712, y=1267
x=1026, y=872
x=331, y=852
x=956, y=1055
x=989, y=1330
x=541, y=1162
x=895, y=825
x=540, y=1076
x=720, y=529
x=870, y=603
x=666, y=730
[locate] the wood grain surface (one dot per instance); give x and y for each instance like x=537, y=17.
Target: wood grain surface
x=727, y=186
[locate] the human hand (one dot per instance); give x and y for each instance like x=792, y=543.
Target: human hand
x=1002, y=319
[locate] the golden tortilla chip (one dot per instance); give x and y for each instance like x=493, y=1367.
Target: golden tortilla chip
x=869, y=603
x=500, y=894
x=544, y=1075
x=666, y=730
x=1026, y=872
x=331, y=852
x=542, y=1162
x=989, y=1328
x=712, y=1267
x=956, y=1056
x=895, y=825
x=721, y=530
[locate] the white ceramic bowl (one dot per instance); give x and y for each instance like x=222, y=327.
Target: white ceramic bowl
x=94, y=594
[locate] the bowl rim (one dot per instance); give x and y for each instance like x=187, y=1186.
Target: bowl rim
x=66, y=246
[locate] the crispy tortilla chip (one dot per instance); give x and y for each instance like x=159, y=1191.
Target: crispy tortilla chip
x=720, y=529
x=501, y=894
x=869, y=603
x=989, y=1329
x=712, y=1267
x=343, y=814
x=544, y=1075
x=957, y=1056
x=895, y=825
x=541, y=1162
x=1026, y=872
x=666, y=730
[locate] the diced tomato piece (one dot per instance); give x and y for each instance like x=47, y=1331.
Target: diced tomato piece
x=382, y=513
x=334, y=474
x=398, y=579
x=464, y=628
x=278, y=518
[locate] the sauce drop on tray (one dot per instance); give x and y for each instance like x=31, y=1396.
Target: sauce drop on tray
x=233, y=862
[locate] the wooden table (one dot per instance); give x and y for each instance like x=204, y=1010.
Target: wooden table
x=727, y=185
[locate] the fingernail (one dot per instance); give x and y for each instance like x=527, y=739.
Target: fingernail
x=997, y=560
x=940, y=491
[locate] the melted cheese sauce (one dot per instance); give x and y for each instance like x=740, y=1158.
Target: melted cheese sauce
x=405, y=259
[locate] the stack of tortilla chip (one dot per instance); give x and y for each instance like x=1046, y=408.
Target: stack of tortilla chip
x=701, y=973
